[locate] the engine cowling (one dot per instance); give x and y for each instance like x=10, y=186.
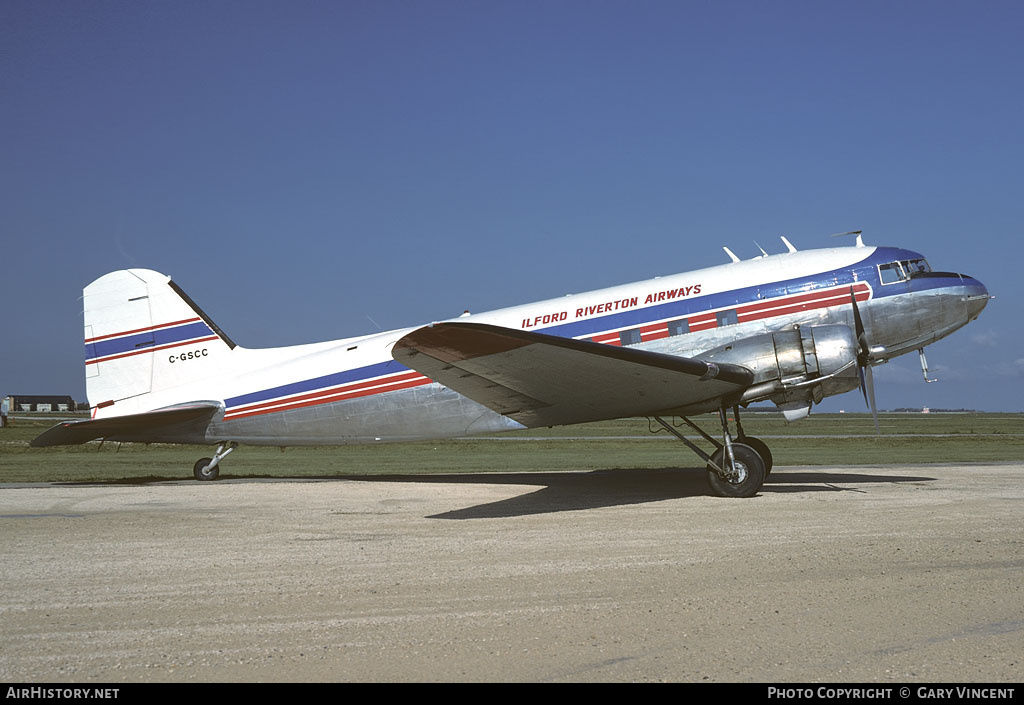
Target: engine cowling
x=796, y=367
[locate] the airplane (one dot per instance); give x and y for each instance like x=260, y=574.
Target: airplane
x=790, y=328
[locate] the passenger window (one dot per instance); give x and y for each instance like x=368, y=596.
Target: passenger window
x=630, y=337
x=726, y=318
x=680, y=327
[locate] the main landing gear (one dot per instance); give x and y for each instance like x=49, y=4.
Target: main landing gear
x=209, y=468
x=738, y=467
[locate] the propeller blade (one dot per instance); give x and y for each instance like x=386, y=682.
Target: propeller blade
x=871, y=393
x=864, y=354
x=857, y=321
x=867, y=377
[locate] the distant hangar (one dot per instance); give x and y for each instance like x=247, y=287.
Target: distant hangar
x=39, y=403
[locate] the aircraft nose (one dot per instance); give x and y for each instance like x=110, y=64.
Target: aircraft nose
x=977, y=297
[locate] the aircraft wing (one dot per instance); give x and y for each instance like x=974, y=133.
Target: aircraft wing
x=544, y=380
x=177, y=424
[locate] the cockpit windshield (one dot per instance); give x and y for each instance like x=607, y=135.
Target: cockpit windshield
x=893, y=272
x=916, y=266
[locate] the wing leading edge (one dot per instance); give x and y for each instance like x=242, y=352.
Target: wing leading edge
x=544, y=380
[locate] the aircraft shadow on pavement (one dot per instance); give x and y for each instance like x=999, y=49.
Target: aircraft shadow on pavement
x=572, y=491
x=562, y=492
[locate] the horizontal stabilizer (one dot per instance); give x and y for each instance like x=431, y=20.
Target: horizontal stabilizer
x=545, y=380
x=177, y=424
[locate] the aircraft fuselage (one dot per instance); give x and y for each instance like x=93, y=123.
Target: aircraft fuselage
x=352, y=390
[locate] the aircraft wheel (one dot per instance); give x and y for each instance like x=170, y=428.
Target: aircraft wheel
x=761, y=448
x=202, y=473
x=747, y=475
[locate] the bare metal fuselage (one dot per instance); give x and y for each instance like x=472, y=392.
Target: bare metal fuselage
x=352, y=391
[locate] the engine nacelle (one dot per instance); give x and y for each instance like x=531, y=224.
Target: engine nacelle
x=795, y=367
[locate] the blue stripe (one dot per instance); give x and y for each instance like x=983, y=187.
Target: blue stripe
x=866, y=271
x=148, y=339
x=332, y=380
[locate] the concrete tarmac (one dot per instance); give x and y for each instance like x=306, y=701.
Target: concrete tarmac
x=873, y=574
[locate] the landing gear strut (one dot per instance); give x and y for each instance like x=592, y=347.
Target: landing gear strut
x=759, y=446
x=735, y=469
x=209, y=468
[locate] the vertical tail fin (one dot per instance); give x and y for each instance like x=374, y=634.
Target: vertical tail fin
x=143, y=335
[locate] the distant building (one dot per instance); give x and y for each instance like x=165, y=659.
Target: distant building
x=23, y=403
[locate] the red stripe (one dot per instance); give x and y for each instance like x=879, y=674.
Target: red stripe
x=656, y=334
x=341, y=389
x=802, y=298
x=656, y=331
x=142, y=330
x=781, y=306
x=336, y=397
x=828, y=302
x=149, y=350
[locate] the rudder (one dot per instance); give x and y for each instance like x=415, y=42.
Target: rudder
x=143, y=335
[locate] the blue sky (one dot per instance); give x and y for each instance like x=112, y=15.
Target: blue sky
x=314, y=170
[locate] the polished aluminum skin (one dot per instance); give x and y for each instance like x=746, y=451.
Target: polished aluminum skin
x=799, y=357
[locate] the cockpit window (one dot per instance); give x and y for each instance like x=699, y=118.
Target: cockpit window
x=893, y=272
x=916, y=266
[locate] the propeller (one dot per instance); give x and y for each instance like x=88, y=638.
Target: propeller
x=867, y=377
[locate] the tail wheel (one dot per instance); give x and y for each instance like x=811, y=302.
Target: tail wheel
x=761, y=448
x=744, y=477
x=203, y=471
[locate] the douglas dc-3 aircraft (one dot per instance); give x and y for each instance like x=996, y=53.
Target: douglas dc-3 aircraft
x=791, y=328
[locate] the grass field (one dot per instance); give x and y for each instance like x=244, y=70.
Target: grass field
x=822, y=439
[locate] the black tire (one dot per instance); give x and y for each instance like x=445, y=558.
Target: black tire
x=761, y=448
x=750, y=468
x=202, y=473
